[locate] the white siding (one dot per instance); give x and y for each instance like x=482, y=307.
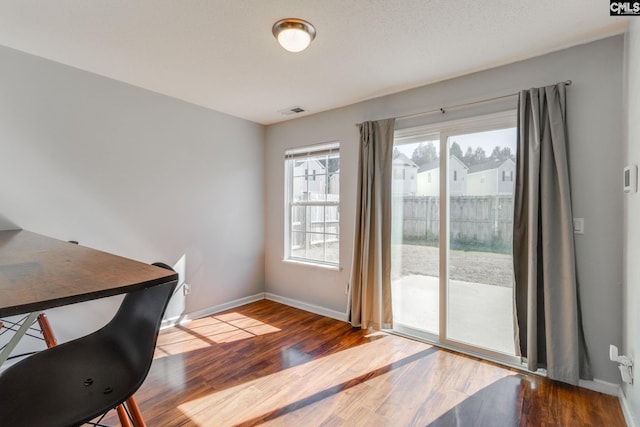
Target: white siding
x=429, y=182
x=506, y=177
x=457, y=177
x=482, y=183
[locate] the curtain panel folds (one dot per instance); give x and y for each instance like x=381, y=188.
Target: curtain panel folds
x=548, y=319
x=370, y=291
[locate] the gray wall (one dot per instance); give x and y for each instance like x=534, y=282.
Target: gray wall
x=631, y=215
x=134, y=173
x=594, y=109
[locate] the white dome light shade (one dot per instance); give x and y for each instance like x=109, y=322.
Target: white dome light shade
x=294, y=40
x=293, y=34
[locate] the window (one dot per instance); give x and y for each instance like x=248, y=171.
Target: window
x=455, y=175
x=312, y=206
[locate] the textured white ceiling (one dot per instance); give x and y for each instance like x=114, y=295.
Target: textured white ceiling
x=221, y=54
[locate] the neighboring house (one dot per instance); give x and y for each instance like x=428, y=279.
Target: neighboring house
x=309, y=178
x=494, y=177
x=429, y=178
x=334, y=182
x=405, y=174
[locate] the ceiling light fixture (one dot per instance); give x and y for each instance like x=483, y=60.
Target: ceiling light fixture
x=294, y=34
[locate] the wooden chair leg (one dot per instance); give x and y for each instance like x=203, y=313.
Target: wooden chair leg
x=134, y=410
x=47, y=332
x=123, y=417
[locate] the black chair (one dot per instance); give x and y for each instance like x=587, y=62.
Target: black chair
x=77, y=381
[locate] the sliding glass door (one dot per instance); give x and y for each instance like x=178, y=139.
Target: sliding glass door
x=452, y=268
x=415, y=250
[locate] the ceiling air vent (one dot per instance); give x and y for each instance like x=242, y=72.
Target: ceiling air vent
x=291, y=111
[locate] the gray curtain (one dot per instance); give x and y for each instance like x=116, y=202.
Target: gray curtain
x=370, y=297
x=548, y=318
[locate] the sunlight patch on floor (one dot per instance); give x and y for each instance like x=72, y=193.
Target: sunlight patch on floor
x=211, y=330
x=380, y=368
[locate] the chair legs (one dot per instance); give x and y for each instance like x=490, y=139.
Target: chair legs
x=47, y=332
x=122, y=415
x=134, y=410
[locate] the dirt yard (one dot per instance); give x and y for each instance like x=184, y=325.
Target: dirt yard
x=469, y=266
x=479, y=267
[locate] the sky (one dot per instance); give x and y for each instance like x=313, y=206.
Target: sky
x=487, y=140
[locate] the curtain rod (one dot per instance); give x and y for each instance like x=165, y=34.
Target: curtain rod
x=453, y=107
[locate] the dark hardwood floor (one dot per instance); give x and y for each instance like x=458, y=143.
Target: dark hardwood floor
x=270, y=364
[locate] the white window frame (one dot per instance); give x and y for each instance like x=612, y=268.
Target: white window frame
x=307, y=153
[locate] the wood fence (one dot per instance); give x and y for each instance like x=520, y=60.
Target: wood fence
x=479, y=220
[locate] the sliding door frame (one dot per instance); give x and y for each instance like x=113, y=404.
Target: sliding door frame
x=446, y=130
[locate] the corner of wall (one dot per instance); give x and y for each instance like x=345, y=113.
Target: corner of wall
x=630, y=398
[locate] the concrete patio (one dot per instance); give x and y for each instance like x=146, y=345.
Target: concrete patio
x=479, y=314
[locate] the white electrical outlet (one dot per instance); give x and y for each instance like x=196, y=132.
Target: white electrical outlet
x=626, y=373
x=186, y=289
x=625, y=364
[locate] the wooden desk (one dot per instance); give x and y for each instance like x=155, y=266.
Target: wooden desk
x=38, y=272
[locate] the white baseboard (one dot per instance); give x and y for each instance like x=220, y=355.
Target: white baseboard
x=307, y=307
x=614, y=390
x=626, y=409
x=601, y=386
x=187, y=317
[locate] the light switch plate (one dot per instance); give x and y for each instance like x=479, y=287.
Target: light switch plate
x=578, y=225
x=630, y=179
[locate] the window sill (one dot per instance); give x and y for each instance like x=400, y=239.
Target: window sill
x=313, y=264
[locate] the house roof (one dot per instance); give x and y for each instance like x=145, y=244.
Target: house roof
x=300, y=162
x=402, y=159
x=488, y=165
x=435, y=164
